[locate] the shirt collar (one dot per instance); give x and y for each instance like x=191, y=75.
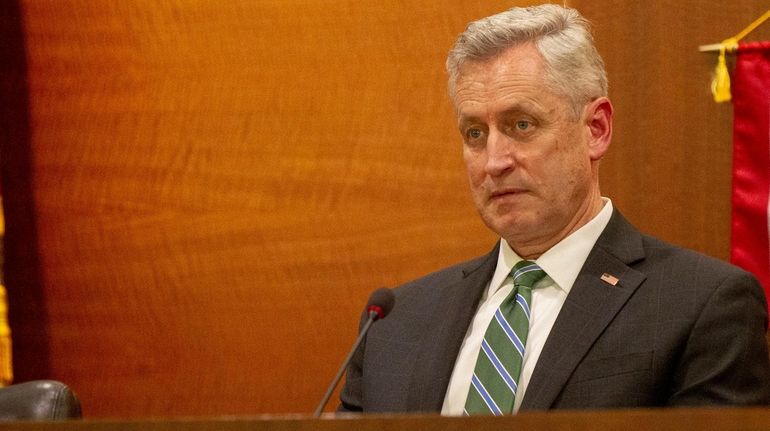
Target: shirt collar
x=563, y=261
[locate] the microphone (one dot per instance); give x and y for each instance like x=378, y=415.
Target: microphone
x=380, y=303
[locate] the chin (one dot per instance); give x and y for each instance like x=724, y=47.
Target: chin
x=509, y=226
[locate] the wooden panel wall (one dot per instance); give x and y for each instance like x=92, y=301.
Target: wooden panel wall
x=200, y=195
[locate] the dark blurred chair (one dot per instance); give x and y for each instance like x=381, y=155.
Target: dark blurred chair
x=38, y=400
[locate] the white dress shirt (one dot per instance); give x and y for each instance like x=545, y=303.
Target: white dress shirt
x=562, y=263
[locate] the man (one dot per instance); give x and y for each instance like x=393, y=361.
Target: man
x=574, y=308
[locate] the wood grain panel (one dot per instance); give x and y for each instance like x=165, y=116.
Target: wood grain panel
x=200, y=195
x=218, y=185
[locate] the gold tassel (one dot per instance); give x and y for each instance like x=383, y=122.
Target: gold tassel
x=720, y=85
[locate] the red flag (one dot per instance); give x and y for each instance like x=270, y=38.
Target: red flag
x=749, y=245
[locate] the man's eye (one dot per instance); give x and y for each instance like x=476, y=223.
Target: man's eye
x=523, y=124
x=474, y=133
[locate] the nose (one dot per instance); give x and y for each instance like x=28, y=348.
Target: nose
x=499, y=154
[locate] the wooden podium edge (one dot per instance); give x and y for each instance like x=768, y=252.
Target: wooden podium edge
x=743, y=419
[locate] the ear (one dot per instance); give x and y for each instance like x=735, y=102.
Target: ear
x=599, y=122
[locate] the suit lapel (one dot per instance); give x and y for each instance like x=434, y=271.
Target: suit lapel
x=454, y=308
x=590, y=306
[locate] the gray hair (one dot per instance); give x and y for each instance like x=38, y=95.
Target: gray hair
x=574, y=67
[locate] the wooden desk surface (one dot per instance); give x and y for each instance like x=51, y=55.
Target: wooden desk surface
x=626, y=420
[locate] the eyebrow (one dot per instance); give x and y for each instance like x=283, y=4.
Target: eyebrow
x=520, y=108
x=516, y=108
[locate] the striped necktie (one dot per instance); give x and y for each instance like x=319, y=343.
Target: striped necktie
x=498, y=366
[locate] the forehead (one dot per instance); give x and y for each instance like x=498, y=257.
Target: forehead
x=522, y=59
x=518, y=72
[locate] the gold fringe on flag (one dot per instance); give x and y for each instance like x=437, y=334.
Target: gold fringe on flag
x=6, y=356
x=6, y=362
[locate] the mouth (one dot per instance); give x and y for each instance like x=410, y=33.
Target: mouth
x=504, y=193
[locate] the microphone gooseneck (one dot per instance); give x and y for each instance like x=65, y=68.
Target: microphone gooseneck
x=380, y=304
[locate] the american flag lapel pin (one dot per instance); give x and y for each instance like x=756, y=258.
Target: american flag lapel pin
x=610, y=279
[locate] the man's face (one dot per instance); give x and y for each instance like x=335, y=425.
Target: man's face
x=528, y=158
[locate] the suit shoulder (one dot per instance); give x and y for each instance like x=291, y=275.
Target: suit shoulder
x=678, y=263
x=445, y=276
x=653, y=256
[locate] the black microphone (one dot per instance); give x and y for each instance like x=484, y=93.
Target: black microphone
x=380, y=303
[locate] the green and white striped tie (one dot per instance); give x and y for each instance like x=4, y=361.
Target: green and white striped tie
x=498, y=366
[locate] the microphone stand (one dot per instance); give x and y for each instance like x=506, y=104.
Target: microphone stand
x=373, y=315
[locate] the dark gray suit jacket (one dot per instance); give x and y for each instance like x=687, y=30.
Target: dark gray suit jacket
x=679, y=329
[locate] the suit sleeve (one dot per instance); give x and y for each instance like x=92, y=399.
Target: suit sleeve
x=725, y=360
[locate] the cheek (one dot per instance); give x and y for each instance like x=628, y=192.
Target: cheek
x=576, y=175
x=474, y=167
x=564, y=170
x=573, y=153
